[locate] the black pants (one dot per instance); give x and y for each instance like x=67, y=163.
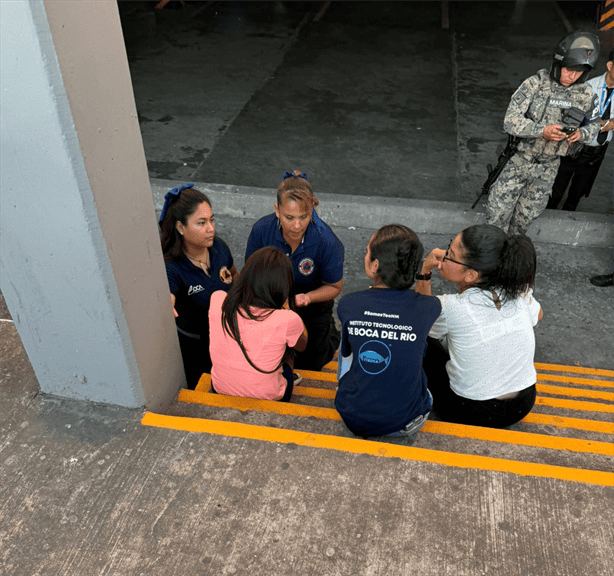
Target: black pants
x=582, y=171
x=196, y=358
x=322, y=337
x=451, y=407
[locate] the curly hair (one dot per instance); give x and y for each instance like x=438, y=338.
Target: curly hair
x=506, y=264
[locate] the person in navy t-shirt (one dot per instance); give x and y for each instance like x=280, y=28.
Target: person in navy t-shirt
x=317, y=260
x=197, y=264
x=382, y=386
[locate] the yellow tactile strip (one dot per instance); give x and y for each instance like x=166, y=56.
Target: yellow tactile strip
x=432, y=426
x=358, y=446
x=541, y=388
x=574, y=369
x=604, y=405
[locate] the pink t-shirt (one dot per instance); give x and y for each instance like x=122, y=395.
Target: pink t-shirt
x=265, y=343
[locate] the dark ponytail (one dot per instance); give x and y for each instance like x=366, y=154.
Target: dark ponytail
x=398, y=251
x=506, y=264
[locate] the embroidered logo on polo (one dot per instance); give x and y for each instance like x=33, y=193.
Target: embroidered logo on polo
x=305, y=266
x=374, y=357
x=225, y=275
x=195, y=289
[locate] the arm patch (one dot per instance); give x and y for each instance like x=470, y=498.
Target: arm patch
x=519, y=97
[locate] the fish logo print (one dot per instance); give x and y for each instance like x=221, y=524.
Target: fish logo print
x=374, y=357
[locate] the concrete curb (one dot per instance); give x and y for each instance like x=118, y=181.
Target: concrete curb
x=422, y=216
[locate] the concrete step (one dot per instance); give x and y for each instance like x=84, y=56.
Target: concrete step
x=568, y=435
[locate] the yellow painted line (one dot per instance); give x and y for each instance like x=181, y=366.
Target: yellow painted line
x=575, y=380
x=332, y=365
x=320, y=376
x=357, y=446
x=541, y=388
x=575, y=392
x=565, y=422
x=519, y=438
x=204, y=383
x=574, y=404
x=244, y=404
x=332, y=377
x=574, y=369
x=314, y=392
x=432, y=426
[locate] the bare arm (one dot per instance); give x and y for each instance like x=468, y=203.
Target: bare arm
x=324, y=293
x=301, y=343
x=433, y=260
x=173, y=299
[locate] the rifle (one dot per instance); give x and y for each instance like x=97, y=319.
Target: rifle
x=493, y=173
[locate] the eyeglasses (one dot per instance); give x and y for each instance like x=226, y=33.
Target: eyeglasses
x=451, y=259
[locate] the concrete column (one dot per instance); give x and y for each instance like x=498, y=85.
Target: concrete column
x=81, y=265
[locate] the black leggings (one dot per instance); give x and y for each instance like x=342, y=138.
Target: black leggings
x=323, y=337
x=451, y=407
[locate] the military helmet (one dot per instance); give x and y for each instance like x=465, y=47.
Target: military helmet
x=577, y=51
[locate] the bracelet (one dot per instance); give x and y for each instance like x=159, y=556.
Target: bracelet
x=425, y=277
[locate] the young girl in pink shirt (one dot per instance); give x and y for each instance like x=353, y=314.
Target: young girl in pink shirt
x=254, y=330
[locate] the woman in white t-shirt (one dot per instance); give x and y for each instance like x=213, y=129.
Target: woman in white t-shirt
x=479, y=362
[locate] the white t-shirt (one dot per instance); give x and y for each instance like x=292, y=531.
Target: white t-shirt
x=491, y=351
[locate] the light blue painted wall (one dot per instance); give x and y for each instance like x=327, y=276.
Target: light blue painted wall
x=55, y=272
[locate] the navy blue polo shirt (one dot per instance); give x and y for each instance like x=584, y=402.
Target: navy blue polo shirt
x=193, y=288
x=384, y=331
x=318, y=259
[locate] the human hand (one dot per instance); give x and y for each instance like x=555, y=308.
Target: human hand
x=433, y=260
x=554, y=132
x=606, y=125
x=173, y=299
x=575, y=136
x=302, y=300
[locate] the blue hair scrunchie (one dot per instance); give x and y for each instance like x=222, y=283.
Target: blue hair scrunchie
x=170, y=196
x=291, y=175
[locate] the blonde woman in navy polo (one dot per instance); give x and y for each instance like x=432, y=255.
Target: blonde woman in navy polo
x=197, y=264
x=317, y=261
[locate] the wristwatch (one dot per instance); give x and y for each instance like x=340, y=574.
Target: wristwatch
x=424, y=276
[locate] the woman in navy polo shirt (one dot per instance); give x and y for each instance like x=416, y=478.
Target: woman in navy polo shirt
x=197, y=264
x=317, y=260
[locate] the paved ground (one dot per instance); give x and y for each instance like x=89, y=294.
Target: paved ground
x=374, y=98
x=86, y=490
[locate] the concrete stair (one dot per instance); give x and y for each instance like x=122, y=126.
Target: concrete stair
x=568, y=435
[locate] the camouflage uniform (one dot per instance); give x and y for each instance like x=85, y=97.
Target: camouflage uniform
x=521, y=192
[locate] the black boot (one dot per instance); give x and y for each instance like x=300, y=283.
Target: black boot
x=602, y=281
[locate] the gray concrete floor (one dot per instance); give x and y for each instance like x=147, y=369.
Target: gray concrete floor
x=375, y=98
x=86, y=490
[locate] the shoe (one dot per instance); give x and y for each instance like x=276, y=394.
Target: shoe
x=602, y=281
x=297, y=379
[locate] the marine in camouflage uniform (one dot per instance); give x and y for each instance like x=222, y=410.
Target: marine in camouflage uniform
x=535, y=114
